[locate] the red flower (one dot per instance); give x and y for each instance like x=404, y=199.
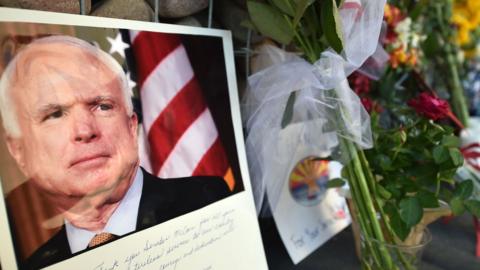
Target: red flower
x=430, y=106
x=359, y=83
x=370, y=105
x=367, y=103
x=390, y=37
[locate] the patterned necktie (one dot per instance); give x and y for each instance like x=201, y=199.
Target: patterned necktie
x=101, y=238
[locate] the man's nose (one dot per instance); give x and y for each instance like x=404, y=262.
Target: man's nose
x=85, y=127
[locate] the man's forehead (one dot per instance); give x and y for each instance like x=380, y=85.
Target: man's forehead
x=60, y=61
x=45, y=70
x=57, y=55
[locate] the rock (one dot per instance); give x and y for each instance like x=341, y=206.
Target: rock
x=231, y=16
x=66, y=6
x=125, y=9
x=179, y=8
x=199, y=19
x=189, y=21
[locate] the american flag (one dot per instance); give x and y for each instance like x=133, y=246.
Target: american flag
x=179, y=137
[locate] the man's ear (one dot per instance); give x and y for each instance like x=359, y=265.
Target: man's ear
x=133, y=121
x=15, y=147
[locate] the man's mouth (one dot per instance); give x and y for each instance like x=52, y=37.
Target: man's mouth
x=90, y=160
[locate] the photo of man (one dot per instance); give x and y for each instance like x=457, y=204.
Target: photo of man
x=71, y=129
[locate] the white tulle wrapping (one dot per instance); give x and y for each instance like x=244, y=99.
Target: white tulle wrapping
x=321, y=93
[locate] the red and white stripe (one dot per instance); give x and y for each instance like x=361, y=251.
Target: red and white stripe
x=182, y=139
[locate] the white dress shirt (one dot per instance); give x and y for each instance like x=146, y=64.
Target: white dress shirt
x=122, y=221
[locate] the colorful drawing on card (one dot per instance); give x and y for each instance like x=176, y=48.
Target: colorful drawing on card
x=308, y=181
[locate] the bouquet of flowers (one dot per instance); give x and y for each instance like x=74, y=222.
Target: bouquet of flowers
x=392, y=184
x=416, y=153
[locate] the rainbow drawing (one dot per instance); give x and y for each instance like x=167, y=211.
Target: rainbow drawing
x=308, y=180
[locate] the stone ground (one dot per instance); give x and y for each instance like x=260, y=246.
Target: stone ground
x=452, y=248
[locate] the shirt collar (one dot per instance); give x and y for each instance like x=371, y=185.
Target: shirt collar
x=122, y=221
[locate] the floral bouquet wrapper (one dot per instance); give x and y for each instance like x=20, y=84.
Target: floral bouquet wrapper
x=322, y=107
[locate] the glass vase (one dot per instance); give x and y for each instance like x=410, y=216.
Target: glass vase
x=377, y=255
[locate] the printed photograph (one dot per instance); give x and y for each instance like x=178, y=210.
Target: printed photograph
x=107, y=132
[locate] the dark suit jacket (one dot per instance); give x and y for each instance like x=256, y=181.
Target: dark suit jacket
x=161, y=200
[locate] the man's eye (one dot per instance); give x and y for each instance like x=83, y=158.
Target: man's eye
x=105, y=107
x=54, y=115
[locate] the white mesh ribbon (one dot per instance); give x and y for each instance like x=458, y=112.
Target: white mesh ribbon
x=322, y=95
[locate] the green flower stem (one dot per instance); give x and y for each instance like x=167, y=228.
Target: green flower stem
x=458, y=98
x=360, y=182
x=362, y=188
x=384, y=218
x=303, y=42
x=360, y=215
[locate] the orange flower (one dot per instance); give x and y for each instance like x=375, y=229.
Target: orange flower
x=412, y=57
x=401, y=57
x=392, y=15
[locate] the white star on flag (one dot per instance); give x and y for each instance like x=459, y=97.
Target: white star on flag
x=117, y=45
x=130, y=82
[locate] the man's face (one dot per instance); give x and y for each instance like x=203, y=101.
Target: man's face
x=77, y=137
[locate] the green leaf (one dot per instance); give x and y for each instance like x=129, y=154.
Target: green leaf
x=411, y=211
x=398, y=225
x=434, y=134
x=464, y=189
x=396, y=193
x=448, y=129
x=450, y=141
x=457, y=206
x=427, y=199
x=446, y=194
x=383, y=161
x=473, y=207
x=249, y=25
x=447, y=174
x=425, y=174
x=270, y=22
x=456, y=156
x=285, y=6
x=336, y=182
x=399, y=137
x=331, y=24
x=288, y=114
x=410, y=186
x=302, y=5
x=440, y=154
x=383, y=192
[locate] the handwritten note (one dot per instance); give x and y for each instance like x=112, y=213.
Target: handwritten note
x=167, y=251
x=312, y=233
x=201, y=240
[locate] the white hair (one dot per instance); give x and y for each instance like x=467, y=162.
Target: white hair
x=7, y=107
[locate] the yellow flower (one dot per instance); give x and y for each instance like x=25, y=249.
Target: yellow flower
x=460, y=20
x=473, y=5
x=463, y=36
x=466, y=16
x=475, y=20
